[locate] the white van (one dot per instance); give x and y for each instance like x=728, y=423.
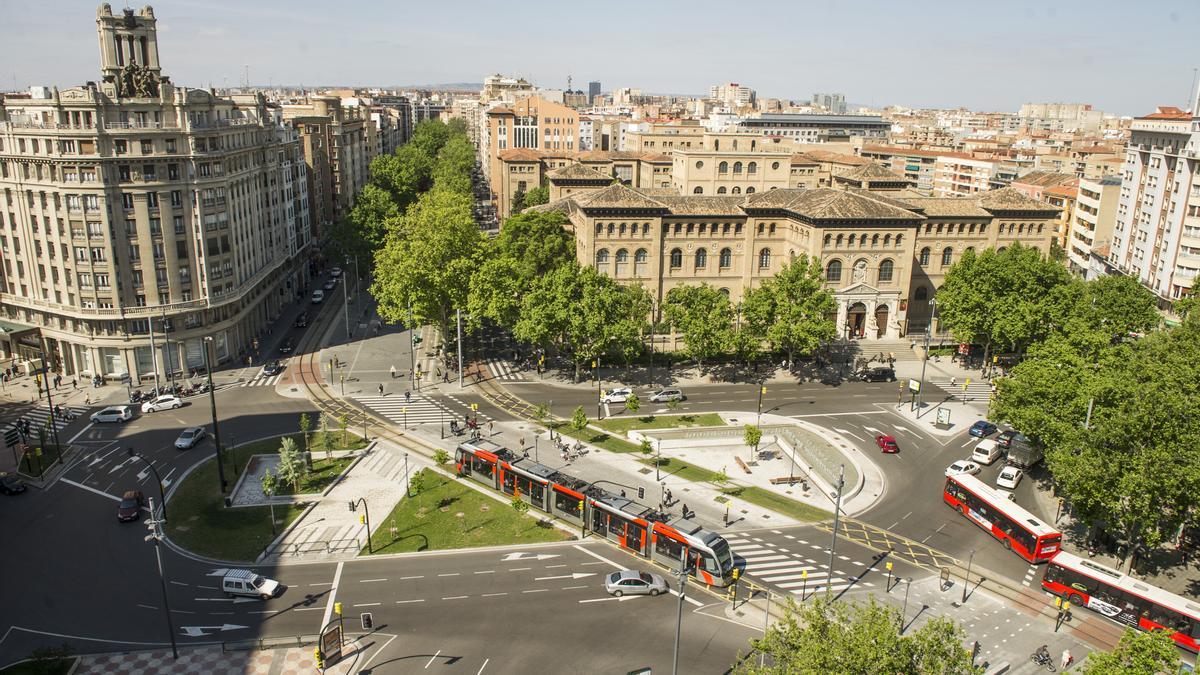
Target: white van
x=245, y=582
x=986, y=452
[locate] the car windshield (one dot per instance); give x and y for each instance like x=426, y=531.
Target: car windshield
x=188, y=433
x=257, y=582
x=129, y=503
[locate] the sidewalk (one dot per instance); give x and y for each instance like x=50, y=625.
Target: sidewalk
x=215, y=660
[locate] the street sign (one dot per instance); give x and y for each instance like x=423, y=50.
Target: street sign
x=943, y=416
x=331, y=642
x=914, y=386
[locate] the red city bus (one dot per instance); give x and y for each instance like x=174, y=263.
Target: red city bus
x=1019, y=530
x=1123, y=599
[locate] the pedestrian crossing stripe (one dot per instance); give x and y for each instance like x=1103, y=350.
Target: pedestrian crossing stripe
x=261, y=380
x=37, y=419
x=420, y=409
x=503, y=370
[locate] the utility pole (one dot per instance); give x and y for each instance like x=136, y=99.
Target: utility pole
x=157, y=479
x=50, y=405
x=599, y=396
x=212, y=403
x=345, y=308
x=167, y=363
x=837, y=511
x=762, y=389
x=924, y=362
x=679, y=610
x=412, y=346
x=458, y=322
x=156, y=536
x=154, y=355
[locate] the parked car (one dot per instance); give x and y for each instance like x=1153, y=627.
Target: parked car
x=272, y=368
x=318, y=297
x=962, y=466
x=302, y=320
x=664, y=395
x=113, y=413
x=131, y=505
x=982, y=429
x=877, y=374
x=10, y=484
x=887, y=443
x=287, y=346
x=335, y=272
x=619, y=395
x=1006, y=437
x=986, y=451
x=167, y=402
x=245, y=582
x=633, y=582
x=189, y=437
x=330, y=285
x=1009, y=477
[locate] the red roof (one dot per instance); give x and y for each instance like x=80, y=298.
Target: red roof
x=1168, y=112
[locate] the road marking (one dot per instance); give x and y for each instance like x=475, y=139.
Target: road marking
x=456, y=597
x=434, y=658
x=370, y=581
x=550, y=567
x=209, y=588
x=322, y=583
x=68, y=481
x=198, y=631
x=519, y=569
x=179, y=583
x=571, y=588
x=367, y=604
x=422, y=576
x=537, y=590
x=492, y=595
x=841, y=414
x=81, y=432
x=236, y=601
x=485, y=662
x=451, y=574
x=306, y=609
x=405, y=602
x=147, y=606
x=337, y=576
x=486, y=572
x=182, y=611
x=521, y=555
x=619, y=566
x=265, y=611
x=572, y=576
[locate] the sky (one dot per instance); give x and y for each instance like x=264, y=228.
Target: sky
x=1124, y=57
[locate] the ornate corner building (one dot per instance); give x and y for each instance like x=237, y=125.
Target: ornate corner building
x=135, y=210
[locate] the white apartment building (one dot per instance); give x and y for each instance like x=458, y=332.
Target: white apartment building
x=956, y=174
x=136, y=213
x=1092, y=228
x=732, y=94
x=1156, y=236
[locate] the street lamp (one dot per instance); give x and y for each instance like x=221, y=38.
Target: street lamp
x=679, y=610
x=50, y=404
x=599, y=396
x=967, y=578
x=156, y=536
x=212, y=403
x=904, y=612
x=925, y=356
x=156, y=478
x=837, y=511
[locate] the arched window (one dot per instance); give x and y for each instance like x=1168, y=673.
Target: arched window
x=924, y=258
x=839, y=240
x=970, y=249
x=736, y=190
x=947, y=254
x=921, y=294
x=698, y=191
x=752, y=167
x=887, y=240
x=721, y=190
x=828, y=238
x=886, y=269
x=833, y=271
x=737, y=167
x=725, y=260
x=1021, y=228
x=601, y=257
x=622, y=261
x=639, y=262
x=899, y=240
x=676, y=258
x=874, y=240
x=1039, y=228
x=701, y=259
x=764, y=259
x=724, y=291
x=862, y=239
x=750, y=190
x=599, y=228
x=723, y=167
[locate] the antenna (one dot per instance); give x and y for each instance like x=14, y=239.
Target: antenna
x=1195, y=102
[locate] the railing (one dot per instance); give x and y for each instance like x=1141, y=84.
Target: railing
x=327, y=547
x=258, y=644
x=221, y=123
x=121, y=126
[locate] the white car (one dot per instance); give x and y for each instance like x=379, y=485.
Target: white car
x=318, y=297
x=335, y=272
x=986, y=452
x=113, y=413
x=962, y=466
x=1009, y=477
x=167, y=402
x=189, y=438
x=664, y=395
x=616, y=395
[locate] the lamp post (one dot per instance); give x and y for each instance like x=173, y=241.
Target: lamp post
x=157, y=479
x=212, y=403
x=904, y=612
x=762, y=389
x=679, y=611
x=657, y=459
x=599, y=396
x=156, y=536
x=50, y=405
x=967, y=578
x=925, y=356
x=837, y=511
x=366, y=518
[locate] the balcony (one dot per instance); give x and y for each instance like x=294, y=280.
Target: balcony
x=138, y=126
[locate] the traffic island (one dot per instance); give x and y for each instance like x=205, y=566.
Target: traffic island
x=441, y=513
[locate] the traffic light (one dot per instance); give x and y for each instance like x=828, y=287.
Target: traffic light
x=368, y=622
x=736, y=573
x=581, y=506
x=641, y=493
x=319, y=657
x=337, y=608
x=362, y=520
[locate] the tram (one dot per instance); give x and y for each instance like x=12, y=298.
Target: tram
x=637, y=528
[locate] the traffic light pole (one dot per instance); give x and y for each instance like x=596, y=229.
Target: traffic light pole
x=366, y=514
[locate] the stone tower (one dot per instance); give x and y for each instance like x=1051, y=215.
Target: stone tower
x=129, y=50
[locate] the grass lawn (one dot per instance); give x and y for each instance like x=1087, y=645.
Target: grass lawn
x=323, y=473
x=199, y=521
x=446, y=514
x=778, y=503
x=620, y=425
x=598, y=439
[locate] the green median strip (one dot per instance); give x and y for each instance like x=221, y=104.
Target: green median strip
x=778, y=503
x=444, y=514
x=621, y=425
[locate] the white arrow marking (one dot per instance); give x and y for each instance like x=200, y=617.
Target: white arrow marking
x=575, y=575
x=872, y=430
x=99, y=458
x=236, y=601
x=903, y=428
x=198, y=631
x=620, y=599
x=121, y=465
x=141, y=476
x=219, y=572
x=521, y=555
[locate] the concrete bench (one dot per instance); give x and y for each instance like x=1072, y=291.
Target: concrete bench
x=742, y=464
x=788, y=480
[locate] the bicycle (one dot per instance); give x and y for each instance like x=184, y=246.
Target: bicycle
x=1043, y=659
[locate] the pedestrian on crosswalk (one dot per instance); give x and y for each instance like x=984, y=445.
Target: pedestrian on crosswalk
x=408, y=397
x=381, y=389
x=491, y=425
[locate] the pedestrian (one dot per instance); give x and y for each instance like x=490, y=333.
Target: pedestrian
x=1067, y=659
x=446, y=378
x=74, y=384
x=685, y=511
x=381, y=389
x=392, y=370
x=622, y=493
x=669, y=498
x=407, y=396
x=953, y=381
x=491, y=426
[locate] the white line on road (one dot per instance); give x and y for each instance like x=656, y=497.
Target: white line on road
x=81, y=432
x=182, y=611
x=68, y=481
x=306, y=609
x=147, y=606
x=492, y=595
x=420, y=576
x=179, y=583
x=451, y=574
x=520, y=569
x=485, y=662
x=457, y=597
x=209, y=588
x=553, y=566
x=265, y=611
x=322, y=583
x=370, y=581
x=432, y=659
x=486, y=572
x=367, y=604
x=337, y=576
x=537, y=590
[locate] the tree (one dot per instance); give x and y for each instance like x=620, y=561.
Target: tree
x=306, y=433
x=792, y=309
x=719, y=478
x=519, y=505
x=579, y=420
x=344, y=425
x=536, y=196
x=416, y=483
x=837, y=637
x=291, y=467
x=705, y=318
x=633, y=403
x=1137, y=653
x=321, y=442
x=423, y=267
x=441, y=457
x=528, y=247
x=270, y=484
x=455, y=161
x=752, y=436
x=518, y=201
x=646, y=447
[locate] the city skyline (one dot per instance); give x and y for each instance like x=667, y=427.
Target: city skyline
x=975, y=55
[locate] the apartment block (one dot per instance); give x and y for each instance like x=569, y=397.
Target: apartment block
x=1092, y=227
x=531, y=123
x=338, y=147
x=957, y=174
x=808, y=128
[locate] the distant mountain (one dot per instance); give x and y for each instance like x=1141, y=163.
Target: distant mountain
x=449, y=86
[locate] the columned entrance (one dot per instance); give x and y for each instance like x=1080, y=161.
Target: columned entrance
x=867, y=313
x=856, y=320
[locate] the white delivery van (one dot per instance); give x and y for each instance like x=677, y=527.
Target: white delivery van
x=986, y=452
x=245, y=582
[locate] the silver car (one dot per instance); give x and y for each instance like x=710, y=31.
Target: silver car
x=189, y=438
x=633, y=582
x=667, y=395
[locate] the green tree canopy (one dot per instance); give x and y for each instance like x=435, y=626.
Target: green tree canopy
x=1138, y=653
x=792, y=309
x=529, y=246
x=704, y=316
x=455, y=161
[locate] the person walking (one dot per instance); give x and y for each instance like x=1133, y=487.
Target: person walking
x=491, y=426
x=1067, y=659
x=408, y=397
x=381, y=389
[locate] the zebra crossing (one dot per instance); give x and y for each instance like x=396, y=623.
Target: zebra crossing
x=795, y=571
x=975, y=391
x=260, y=380
x=419, y=410
x=37, y=418
x=504, y=370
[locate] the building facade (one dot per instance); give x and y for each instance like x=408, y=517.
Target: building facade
x=138, y=213
x=806, y=128
x=531, y=123
x=1092, y=227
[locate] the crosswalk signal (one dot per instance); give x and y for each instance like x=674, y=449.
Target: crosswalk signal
x=966, y=383
x=474, y=407
x=368, y=621
x=736, y=573
x=362, y=520
x=581, y=506
x=319, y=657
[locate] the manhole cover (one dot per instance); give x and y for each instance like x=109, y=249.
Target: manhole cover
x=643, y=470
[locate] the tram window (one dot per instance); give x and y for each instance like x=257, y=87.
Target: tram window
x=708, y=563
x=667, y=546
x=506, y=483
x=482, y=466
x=599, y=522
x=1195, y=627
x=566, y=503
x=465, y=461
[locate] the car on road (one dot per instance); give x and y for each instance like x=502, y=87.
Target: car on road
x=288, y=346
x=664, y=395
x=189, y=437
x=982, y=429
x=887, y=443
x=167, y=402
x=245, y=582
x=633, y=582
x=1009, y=477
x=330, y=285
x=113, y=413
x=302, y=320
x=10, y=484
x=1010, y=436
x=318, y=297
x=131, y=504
x=986, y=451
x=335, y=272
x=878, y=374
x=619, y=395
x=962, y=466
x=272, y=368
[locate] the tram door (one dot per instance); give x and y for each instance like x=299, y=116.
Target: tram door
x=635, y=537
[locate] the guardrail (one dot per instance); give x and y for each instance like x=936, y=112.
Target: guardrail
x=254, y=644
x=328, y=546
